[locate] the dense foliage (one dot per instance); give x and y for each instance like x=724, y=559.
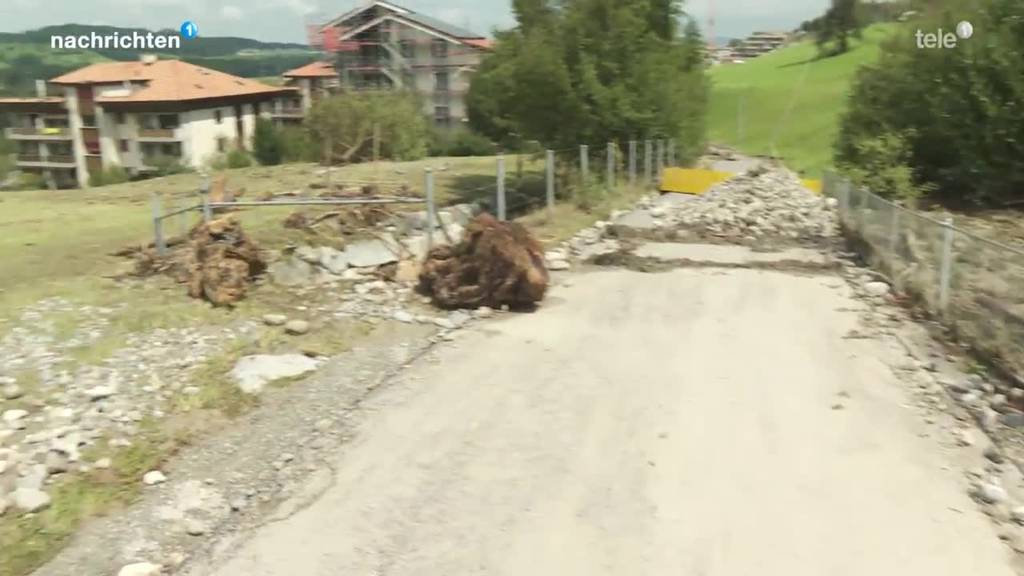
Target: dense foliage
x=267, y=144
x=953, y=118
x=343, y=126
x=591, y=71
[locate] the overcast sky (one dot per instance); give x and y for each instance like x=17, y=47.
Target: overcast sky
x=283, y=20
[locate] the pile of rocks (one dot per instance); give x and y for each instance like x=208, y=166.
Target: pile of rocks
x=766, y=202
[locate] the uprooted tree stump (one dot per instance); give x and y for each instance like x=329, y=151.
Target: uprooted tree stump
x=495, y=264
x=221, y=261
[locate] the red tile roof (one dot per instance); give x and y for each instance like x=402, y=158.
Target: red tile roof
x=165, y=81
x=313, y=70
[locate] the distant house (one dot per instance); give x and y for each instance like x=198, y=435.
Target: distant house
x=136, y=115
x=310, y=83
x=383, y=46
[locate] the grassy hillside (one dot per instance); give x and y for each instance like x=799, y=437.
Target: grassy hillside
x=789, y=101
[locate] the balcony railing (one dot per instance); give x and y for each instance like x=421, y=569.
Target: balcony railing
x=32, y=132
x=162, y=133
x=55, y=159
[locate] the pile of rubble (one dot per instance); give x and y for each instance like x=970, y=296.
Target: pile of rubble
x=766, y=202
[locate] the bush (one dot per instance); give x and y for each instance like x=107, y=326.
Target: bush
x=167, y=166
x=957, y=111
x=343, y=127
x=31, y=181
x=267, y=145
x=297, y=145
x=239, y=158
x=110, y=175
x=883, y=167
x=460, y=142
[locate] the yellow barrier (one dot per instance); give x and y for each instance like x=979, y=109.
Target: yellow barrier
x=698, y=181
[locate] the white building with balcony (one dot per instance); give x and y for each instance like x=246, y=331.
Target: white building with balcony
x=136, y=115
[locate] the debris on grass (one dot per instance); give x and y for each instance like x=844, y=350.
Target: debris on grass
x=495, y=264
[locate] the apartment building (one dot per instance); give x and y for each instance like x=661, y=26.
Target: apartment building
x=310, y=83
x=757, y=44
x=383, y=46
x=137, y=115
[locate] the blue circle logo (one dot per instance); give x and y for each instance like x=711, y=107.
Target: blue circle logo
x=189, y=30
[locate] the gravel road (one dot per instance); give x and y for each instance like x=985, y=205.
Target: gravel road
x=694, y=422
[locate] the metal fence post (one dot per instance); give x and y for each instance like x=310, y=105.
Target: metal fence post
x=632, y=162
x=648, y=160
x=584, y=163
x=550, y=183
x=672, y=152
x=158, y=226
x=894, y=229
x=501, y=188
x=610, y=177
x=429, y=185
x=946, y=270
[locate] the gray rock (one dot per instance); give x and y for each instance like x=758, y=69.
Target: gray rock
x=56, y=462
x=459, y=318
x=154, y=477
x=1012, y=419
x=238, y=504
x=296, y=327
x=558, y=265
x=1017, y=514
x=13, y=415
x=993, y=454
x=196, y=527
x=253, y=373
x=403, y=316
x=369, y=253
x=483, y=312
x=11, y=392
x=275, y=319
x=141, y=569
x=29, y=500
x=990, y=493
x=965, y=438
x=291, y=271
x=876, y=288
x=100, y=392
x=102, y=464
x=33, y=479
x=335, y=261
x=444, y=323
x=308, y=254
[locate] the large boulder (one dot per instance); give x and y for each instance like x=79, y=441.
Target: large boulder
x=495, y=263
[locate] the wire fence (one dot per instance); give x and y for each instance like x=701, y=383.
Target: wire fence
x=521, y=184
x=973, y=285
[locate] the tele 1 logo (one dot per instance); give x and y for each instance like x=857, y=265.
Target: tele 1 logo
x=941, y=39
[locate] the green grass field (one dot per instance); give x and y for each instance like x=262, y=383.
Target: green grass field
x=789, y=103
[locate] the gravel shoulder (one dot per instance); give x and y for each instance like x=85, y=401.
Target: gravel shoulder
x=693, y=421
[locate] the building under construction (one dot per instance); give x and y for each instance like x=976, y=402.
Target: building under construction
x=383, y=46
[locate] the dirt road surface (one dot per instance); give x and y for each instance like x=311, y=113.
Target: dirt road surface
x=693, y=422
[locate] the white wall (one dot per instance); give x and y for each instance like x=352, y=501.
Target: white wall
x=200, y=131
x=77, y=145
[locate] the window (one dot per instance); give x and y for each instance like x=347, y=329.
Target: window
x=441, y=81
x=168, y=121
x=222, y=144
x=218, y=115
x=439, y=48
x=442, y=115
x=408, y=49
x=119, y=117
x=88, y=121
x=124, y=146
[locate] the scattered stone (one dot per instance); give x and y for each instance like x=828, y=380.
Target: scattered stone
x=405, y=317
x=238, y=504
x=369, y=253
x=296, y=327
x=965, y=438
x=444, y=323
x=13, y=415
x=990, y=493
x=308, y=254
x=1017, y=515
x=102, y=464
x=196, y=527
x=100, y=392
x=30, y=500
x=291, y=271
x=1012, y=419
x=877, y=288
x=11, y=392
x=993, y=454
x=56, y=462
x=141, y=569
x=275, y=319
x=483, y=312
x=559, y=265
x=154, y=477
x=334, y=261
x=252, y=373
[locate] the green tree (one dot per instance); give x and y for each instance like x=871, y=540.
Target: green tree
x=841, y=21
x=266, y=145
x=590, y=71
x=344, y=126
x=955, y=113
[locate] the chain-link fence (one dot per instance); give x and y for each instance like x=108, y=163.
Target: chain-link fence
x=973, y=285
